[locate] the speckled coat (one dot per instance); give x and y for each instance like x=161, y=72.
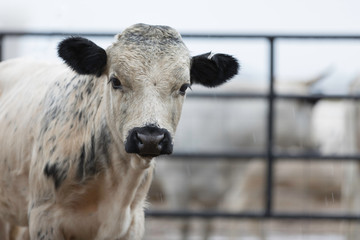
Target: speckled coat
x=64, y=170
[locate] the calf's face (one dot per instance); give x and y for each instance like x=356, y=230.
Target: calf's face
x=146, y=73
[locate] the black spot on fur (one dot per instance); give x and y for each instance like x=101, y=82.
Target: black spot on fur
x=87, y=163
x=94, y=155
x=75, y=114
x=54, y=113
x=52, y=138
x=52, y=101
x=80, y=170
x=82, y=55
x=80, y=115
x=67, y=85
x=58, y=173
x=104, y=143
x=52, y=150
x=51, y=114
x=90, y=166
x=173, y=117
x=90, y=86
x=75, y=87
x=92, y=147
x=46, y=127
x=214, y=71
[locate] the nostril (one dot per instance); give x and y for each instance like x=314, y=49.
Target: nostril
x=161, y=138
x=139, y=138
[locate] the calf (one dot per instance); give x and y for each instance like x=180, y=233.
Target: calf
x=77, y=144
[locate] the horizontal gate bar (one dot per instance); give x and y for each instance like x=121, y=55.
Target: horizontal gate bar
x=278, y=96
x=191, y=35
x=245, y=155
x=251, y=215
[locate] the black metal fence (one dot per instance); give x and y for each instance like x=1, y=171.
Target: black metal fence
x=269, y=154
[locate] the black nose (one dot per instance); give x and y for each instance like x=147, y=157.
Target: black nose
x=149, y=141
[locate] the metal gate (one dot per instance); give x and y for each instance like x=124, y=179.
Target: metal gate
x=269, y=154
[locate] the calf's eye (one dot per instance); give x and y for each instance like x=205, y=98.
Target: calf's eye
x=115, y=83
x=183, y=89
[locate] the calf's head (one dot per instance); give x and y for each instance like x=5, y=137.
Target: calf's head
x=144, y=76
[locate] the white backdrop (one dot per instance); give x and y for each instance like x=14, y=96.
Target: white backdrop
x=296, y=60
x=251, y=16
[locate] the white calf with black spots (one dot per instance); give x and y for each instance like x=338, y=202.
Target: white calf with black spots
x=78, y=140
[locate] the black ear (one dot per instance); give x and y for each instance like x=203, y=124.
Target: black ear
x=82, y=55
x=213, y=70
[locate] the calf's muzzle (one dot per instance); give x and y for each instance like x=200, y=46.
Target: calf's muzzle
x=149, y=141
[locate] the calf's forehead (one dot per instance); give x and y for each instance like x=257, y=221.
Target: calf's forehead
x=143, y=34
x=145, y=45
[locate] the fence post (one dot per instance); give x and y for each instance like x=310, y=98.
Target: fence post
x=1, y=46
x=270, y=133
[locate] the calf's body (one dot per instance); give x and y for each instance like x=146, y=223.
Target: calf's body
x=77, y=145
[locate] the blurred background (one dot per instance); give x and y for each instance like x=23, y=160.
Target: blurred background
x=219, y=127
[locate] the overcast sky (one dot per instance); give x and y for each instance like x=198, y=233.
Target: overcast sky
x=295, y=61
x=255, y=16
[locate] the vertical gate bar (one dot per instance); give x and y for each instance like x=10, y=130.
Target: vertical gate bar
x=1, y=46
x=270, y=134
